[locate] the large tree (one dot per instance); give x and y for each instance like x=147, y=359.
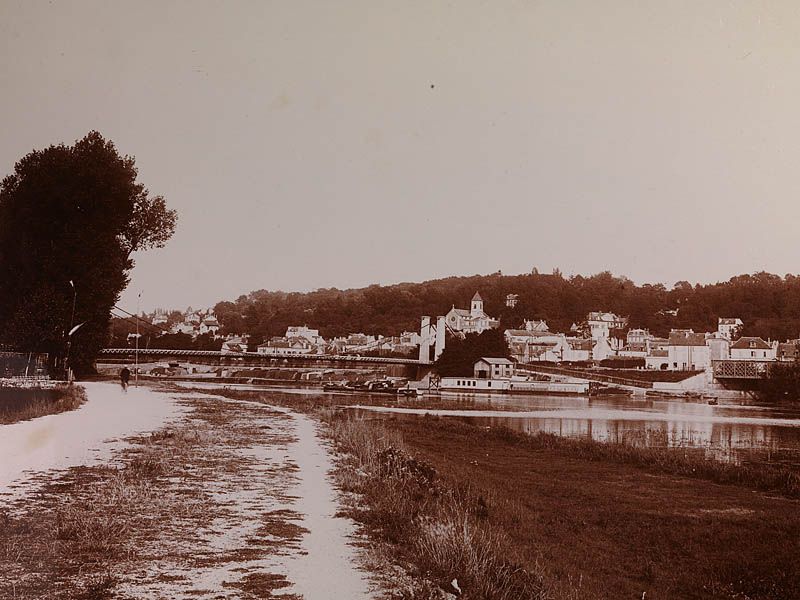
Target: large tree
x=70, y=219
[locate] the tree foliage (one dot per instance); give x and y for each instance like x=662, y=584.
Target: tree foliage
x=768, y=304
x=459, y=355
x=71, y=214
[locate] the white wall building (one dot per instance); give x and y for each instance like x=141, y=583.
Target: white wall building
x=688, y=351
x=474, y=320
x=729, y=327
x=752, y=348
x=602, y=323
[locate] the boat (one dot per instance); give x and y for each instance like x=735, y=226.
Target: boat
x=713, y=402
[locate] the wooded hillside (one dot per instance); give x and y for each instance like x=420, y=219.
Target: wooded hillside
x=768, y=304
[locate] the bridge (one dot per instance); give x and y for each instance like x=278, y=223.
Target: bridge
x=249, y=357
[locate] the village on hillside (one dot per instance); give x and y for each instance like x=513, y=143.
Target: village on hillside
x=602, y=338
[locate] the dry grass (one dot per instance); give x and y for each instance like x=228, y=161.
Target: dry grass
x=442, y=528
x=35, y=403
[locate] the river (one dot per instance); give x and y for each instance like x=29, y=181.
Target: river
x=728, y=431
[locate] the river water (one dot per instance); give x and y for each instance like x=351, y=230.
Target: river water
x=729, y=431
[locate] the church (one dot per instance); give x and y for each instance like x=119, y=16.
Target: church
x=473, y=320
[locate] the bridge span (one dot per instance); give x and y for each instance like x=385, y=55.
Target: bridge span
x=161, y=353
x=412, y=367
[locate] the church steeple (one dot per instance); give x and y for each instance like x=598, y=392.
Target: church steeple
x=477, y=305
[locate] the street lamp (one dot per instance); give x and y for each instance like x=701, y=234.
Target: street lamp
x=71, y=328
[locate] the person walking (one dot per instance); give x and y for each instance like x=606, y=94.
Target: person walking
x=124, y=377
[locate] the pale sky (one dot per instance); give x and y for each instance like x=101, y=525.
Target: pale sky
x=340, y=144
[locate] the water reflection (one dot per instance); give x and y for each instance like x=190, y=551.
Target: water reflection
x=728, y=432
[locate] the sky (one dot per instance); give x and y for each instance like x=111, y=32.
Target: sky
x=340, y=144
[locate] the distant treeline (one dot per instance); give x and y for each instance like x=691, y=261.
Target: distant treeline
x=768, y=304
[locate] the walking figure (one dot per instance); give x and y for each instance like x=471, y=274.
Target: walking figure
x=124, y=377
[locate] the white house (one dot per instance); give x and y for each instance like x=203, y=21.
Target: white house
x=688, y=350
x=537, y=326
x=752, y=348
x=312, y=335
x=729, y=327
x=474, y=320
x=602, y=323
x=493, y=368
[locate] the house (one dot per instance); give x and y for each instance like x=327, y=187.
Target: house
x=657, y=359
x=729, y=327
x=789, y=351
x=601, y=324
x=719, y=346
x=638, y=336
x=493, y=368
x=688, y=350
x=293, y=346
x=474, y=320
x=209, y=325
x=602, y=349
x=580, y=349
x=752, y=348
x=511, y=300
x=234, y=344
x=312, y=335
x=538, y=326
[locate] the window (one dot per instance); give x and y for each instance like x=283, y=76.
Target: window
x=489, y=384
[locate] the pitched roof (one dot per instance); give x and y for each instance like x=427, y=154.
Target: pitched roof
x=495, y=361
x=477, y=296
x=730, y=321
x=750, y=343
x=686, y=338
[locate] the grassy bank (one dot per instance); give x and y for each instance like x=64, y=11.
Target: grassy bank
x=442, y=528
x=567, y=518
x=23, y=404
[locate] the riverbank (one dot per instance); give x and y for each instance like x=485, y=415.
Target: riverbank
x=25, y=403
x=588, y=526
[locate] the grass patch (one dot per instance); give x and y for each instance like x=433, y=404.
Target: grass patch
x=23, y=404
x=650, y=450
x=439, y=526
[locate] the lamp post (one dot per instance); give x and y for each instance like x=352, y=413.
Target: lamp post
x=136, y=355
x=71, y=330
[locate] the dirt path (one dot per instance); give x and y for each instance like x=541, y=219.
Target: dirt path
x=231, y=500
x=85, y=436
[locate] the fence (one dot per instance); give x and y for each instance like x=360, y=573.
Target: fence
x=18, y=365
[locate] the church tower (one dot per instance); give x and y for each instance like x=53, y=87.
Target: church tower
x=477, y=305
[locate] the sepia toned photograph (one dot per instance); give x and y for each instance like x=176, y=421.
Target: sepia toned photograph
x=369, y=300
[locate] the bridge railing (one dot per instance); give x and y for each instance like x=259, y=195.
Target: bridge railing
x=741, y=369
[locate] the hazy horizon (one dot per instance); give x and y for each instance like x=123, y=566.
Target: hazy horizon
x=312, y=145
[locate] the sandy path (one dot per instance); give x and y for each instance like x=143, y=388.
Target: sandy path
x=325, y=569
x=86, y=436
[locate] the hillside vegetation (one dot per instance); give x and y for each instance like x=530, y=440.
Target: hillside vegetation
x=768, y=304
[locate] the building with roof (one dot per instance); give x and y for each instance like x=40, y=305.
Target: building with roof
x=493, y=368
x=752, y=348
x=688, y=350
x=729, y=327
x=474, y=320
x=788, y=351
x=601, y=324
